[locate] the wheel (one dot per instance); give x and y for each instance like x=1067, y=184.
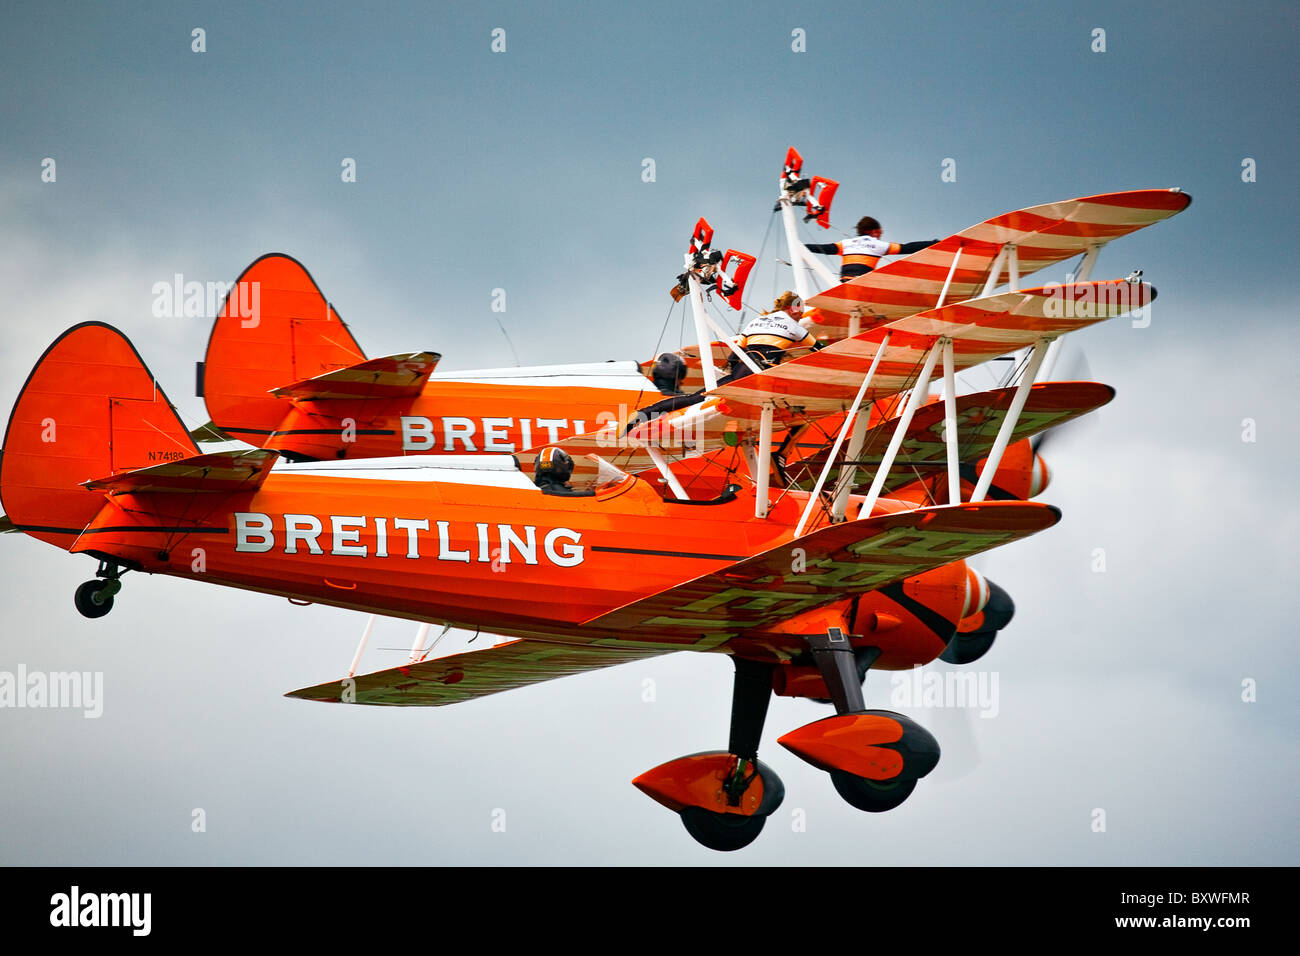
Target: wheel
x=721, y=831
x=873, y=796
x=84, y=599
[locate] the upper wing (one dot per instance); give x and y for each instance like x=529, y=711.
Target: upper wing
x=1043, y=235
x=391, y=376
x=827, y=565
x=449, y=680
x=825, y=382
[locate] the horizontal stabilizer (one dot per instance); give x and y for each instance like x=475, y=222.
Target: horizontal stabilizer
x=392, y=376
x=449, y=680
x=208, y=434
x=224, y=472
x=828, y=565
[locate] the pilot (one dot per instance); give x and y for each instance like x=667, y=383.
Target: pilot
x=768, y=336
x=765, y=340
x=551, y=471
x=668, y=374
x=859, y=255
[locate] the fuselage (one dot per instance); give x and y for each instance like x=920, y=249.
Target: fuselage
x=495, y=554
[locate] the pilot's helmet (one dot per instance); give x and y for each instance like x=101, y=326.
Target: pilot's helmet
x=553, y=464
x=669, y=371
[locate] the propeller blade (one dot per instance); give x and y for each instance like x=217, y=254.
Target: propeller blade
x=971, y=646
x=1073, y=367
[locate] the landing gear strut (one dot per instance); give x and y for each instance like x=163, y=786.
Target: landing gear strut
x=874, y=757
x=95, y=598
x=724, y=798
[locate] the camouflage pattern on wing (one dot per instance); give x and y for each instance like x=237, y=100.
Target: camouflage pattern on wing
x=465, y=676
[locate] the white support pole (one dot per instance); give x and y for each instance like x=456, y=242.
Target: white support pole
x=1080, y=275
x=943, y=293
x=995, y=272
x=1049, y=362
x=950, y=423
x=844, y=480
x=850, y=420
x=844, y=483
x=727, y=339
x=913, y=403
x=702, y=333
x=676, y=486
x=797, y=251
x=1009, y=423
x=855, y=322
x=763, y=464
x=1013, y=267
x=421, y=633
x=1084, y=272
x=365, y=636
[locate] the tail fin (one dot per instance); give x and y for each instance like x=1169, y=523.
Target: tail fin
x=90, y=408
x=275, y=328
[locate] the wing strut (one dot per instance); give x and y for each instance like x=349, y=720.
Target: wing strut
x=763, y=466
x=658, y=458
x=417, y=645
x=1009, y=423
x=943, y=293
x=950, y=423
x=913, y=402
x=858, y=422
x=365, y=636
x=1082, y=274
x=995, y=272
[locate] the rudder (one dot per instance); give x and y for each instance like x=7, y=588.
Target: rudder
x=90, y=408
x=275, y=328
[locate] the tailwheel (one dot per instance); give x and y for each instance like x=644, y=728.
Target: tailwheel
x=873, y=796
x=721, y=831
x=95, y=598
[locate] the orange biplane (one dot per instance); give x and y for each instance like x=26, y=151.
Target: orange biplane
x=805, y=584
x=283, y=372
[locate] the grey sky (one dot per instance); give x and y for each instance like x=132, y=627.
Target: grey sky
x=1119, y=690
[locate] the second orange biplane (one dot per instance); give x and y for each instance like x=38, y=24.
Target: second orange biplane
x=806, y=588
